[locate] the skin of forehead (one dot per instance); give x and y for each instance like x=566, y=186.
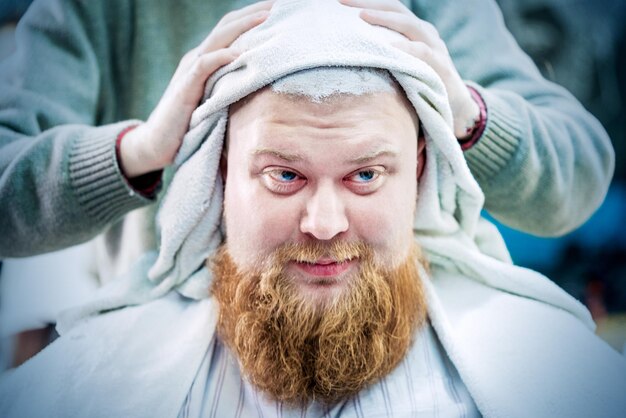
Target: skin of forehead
x=325, y=107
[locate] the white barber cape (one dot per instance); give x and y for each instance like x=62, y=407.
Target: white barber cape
x=162, y=359
x=522, y=347
x=424, y=384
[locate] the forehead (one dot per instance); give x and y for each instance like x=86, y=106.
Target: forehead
x=266, y=118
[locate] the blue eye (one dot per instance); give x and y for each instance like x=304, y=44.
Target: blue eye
x=283, y=176
x=366, y=175
x=367, y=180
x=287, y=175
x=282, y=181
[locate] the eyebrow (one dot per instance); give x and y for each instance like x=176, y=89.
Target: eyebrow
x=285, y=156
x=372, y=156
x=288, y=157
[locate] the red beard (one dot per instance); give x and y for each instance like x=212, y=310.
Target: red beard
x=297, y=351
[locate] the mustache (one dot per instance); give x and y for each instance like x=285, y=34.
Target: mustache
x=310, y=252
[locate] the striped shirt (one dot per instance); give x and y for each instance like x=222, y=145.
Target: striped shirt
x=425, y=384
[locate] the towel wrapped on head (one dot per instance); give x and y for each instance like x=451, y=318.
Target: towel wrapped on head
x=447, y=219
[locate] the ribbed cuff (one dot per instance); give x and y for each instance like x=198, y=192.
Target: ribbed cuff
x=500, y=140
x=479, y=125
x=96, y=178
x=149, y=184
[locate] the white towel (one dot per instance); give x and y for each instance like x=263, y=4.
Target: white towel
x=299, y=35
x=510, y=332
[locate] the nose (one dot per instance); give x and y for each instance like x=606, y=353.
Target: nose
x=325, y=215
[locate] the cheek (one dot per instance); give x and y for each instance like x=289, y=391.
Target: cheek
x=383, y=226
x=386, y=220
x=256, y=223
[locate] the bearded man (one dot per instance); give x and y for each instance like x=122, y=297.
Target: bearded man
x=349, y=272
x=319, y=282
x=329, y=301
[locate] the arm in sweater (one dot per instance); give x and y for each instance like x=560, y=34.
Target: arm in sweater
x=82, y=64
x=543, y=162
x=60, y=183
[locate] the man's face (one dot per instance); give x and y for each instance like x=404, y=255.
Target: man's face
x=302, y=172
x=318, y=284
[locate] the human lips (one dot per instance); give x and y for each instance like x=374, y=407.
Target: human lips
x=325, y=267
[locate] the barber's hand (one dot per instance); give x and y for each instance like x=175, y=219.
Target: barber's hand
x=423, y=42
x=154, y=144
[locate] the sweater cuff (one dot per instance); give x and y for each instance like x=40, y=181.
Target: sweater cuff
x=479, y=126
x=147, y=184
x=499, y=141
x=96, y=178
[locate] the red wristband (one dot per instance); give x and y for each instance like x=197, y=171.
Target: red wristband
x=147, y=184
x=479, y=126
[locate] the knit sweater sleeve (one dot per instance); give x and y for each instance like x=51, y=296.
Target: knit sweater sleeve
x=60, y=183
x=543, y=162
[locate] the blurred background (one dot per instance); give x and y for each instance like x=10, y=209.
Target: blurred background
x=580, y=44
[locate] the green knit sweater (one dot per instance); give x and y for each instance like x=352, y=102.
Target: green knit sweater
x=85, y=70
